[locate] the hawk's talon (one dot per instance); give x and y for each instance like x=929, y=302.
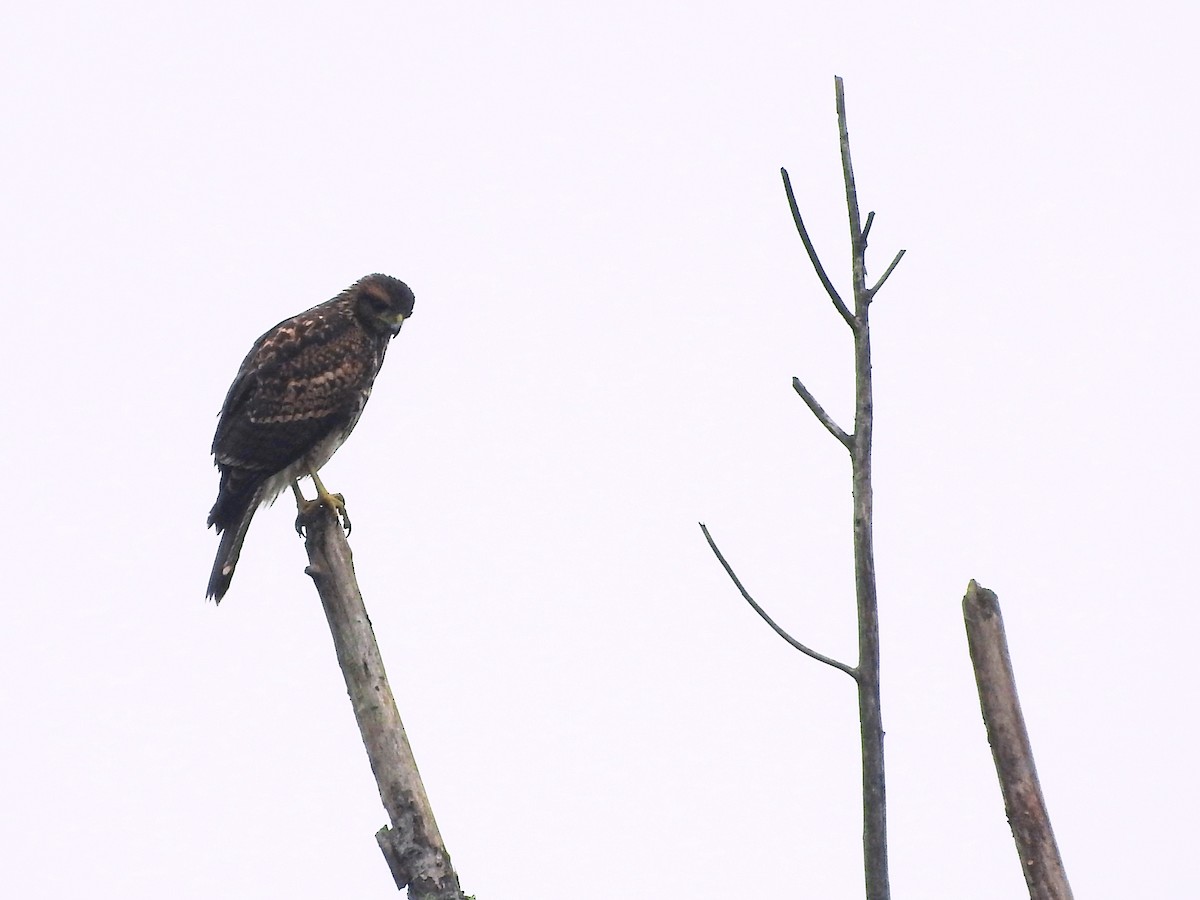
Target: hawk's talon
x=339, y=510
x=308, y=510
x=304, y=515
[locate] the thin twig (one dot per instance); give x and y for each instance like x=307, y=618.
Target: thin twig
x=884, y=276
x=819, y=657
x=867, y=228
x=823, y=417
x=812, y=253
x=857, y=239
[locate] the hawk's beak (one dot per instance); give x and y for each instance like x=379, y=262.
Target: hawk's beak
x=396, y=325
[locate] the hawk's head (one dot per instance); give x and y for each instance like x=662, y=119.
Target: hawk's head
x=382, y=303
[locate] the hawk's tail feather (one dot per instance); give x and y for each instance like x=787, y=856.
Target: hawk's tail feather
x=227, y=555
x=239, y=488
x=231, y=514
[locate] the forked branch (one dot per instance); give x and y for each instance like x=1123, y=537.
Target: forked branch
x=858, y=442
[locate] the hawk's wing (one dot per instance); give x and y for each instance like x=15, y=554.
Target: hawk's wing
x=301, y=382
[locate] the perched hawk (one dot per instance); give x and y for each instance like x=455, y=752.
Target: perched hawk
x=296, y=397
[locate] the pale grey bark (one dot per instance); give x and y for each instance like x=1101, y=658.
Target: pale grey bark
x=412, y=845
x=1024, y=804
x=870, y=714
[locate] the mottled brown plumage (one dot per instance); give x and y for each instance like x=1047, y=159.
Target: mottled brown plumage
x=296, y=398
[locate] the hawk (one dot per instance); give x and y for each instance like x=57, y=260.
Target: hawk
x=296, y=398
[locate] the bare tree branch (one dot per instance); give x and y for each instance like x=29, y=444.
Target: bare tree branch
x=807, y=651
x=413, y=846
x=866, y=672
x=1013, y=754
x=870, y=715
x=823, y=417
x=812, y=253
x=884, y=276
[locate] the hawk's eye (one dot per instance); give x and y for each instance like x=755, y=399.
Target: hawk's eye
x=379, y=304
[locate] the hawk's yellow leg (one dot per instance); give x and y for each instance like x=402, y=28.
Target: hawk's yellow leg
x=306, y=509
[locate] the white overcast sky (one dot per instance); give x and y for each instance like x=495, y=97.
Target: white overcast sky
x=611, y=304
